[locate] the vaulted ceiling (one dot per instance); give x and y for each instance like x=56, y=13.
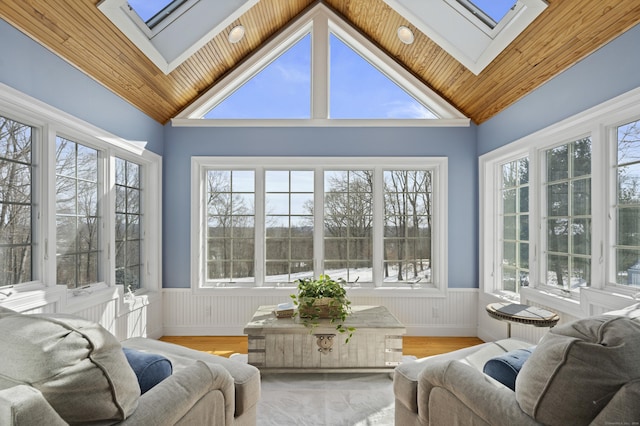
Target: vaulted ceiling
x=566, y=32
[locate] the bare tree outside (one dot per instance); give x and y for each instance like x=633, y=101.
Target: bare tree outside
x=348, y=223
x=408, y=225
x=77, y=214
x=128, y=235
x=515, y=225
x=15, y=202
x=230, y=225
x=628, y=205
x=569, y=215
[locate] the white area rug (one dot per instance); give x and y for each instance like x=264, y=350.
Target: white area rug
x=325, y=399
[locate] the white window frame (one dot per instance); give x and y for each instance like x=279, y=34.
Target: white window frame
x=49, y=122
x=598, y=123
x=438, y=165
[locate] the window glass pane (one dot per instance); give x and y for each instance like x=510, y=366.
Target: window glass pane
x=568, y=221
x=16, y=209
x=78, y=222
x=515, y=224
x=628, y=205
x=407, y=232
x=495, y=10
x=558, y=163
x=289, y=225
x=359, y=90
x=281, y=90
x=128, y=222
x=231, y=230
x=348, y=224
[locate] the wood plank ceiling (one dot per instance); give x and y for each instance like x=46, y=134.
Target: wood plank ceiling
x=566, y=32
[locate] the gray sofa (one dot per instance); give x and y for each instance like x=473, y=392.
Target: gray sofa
x=59, y=369
x=586, y=372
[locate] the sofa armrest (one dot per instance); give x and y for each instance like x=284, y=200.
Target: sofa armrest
x=24, y=405
x=489, y=400
x=173, y=398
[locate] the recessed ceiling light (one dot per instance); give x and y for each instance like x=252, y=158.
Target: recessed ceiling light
x=236, y=34
x=405, y=34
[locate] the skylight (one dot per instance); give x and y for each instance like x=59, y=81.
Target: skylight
x=474, y=32
x=170, y=31
x=154, y=11
x=489, y=11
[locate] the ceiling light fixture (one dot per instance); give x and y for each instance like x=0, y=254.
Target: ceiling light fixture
x=236, y=34
x=405, y=34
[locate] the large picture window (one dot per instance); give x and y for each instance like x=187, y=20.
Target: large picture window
x=272, y=224
x=16, y=206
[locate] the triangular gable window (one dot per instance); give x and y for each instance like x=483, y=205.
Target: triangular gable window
x=359, y=90
x=281, y=90
x=319, y=72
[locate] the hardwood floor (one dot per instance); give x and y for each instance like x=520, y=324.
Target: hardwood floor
x=418, y=346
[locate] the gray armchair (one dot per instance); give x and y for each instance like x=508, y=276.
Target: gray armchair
x=59, y=370
x=581, y=373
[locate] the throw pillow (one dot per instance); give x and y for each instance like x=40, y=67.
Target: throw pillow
x=577, y=368
x=505, y=368
x=76, y=364
x=150, y=368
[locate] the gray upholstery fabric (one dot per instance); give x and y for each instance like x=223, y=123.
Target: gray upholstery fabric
x=577, y=368
x=205, y=389
x=246, y=377
x=474, y=392
x=405, y=380
x=77, y=365
x=24, y=405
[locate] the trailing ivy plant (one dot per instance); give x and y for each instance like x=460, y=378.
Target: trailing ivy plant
x=323, y=297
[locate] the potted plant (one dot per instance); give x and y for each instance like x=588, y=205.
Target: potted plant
x=323, y=297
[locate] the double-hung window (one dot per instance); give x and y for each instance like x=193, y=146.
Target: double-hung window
x=267, y=222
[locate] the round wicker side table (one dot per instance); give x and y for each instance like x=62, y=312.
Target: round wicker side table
x=522, y=314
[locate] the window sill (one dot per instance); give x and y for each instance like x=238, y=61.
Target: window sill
x=355, y=291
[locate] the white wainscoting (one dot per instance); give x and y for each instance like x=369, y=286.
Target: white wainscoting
x=123, y=317
x=222, y=313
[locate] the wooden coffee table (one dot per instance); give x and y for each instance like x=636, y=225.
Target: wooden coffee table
x=286, y=345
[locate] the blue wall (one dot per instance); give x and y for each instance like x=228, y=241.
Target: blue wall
x=30, y=68
x=458, y=144
x=610, y=71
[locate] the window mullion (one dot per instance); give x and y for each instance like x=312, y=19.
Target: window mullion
x=378, y=227
x=318, y=221
x=260, y=228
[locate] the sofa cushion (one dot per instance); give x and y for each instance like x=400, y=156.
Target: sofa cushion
x=77, y=365
x=504, y=368
x=150, y=368
x=577, y=368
